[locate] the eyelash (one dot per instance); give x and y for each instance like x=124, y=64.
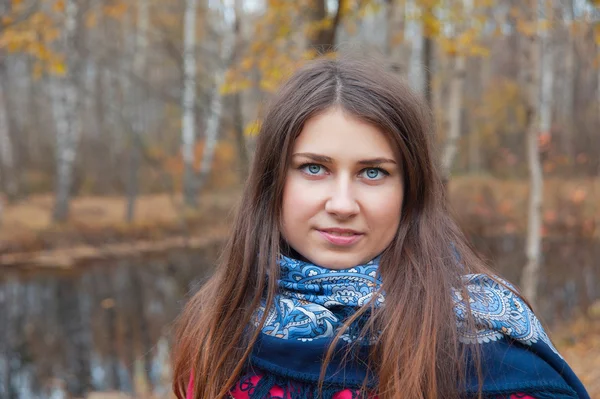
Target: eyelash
x=385, y=172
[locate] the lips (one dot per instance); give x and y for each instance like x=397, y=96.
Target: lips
x=341, y=237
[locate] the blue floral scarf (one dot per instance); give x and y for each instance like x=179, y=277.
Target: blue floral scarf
x=313, y=302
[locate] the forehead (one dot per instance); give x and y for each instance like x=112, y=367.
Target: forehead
x=340, y=135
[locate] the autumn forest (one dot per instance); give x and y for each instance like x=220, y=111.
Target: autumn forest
x=127, y=128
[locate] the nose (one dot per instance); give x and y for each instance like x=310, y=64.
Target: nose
x=342, y=201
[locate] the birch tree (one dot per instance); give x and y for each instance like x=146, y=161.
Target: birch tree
x=568, y=105
x=531, y=75
x=428, y=45
x=8, y=180
x=7, y=160
x=395, y=48
x=324, y=38
x=216, y=102
x=455, y=103
x=238, y=116
x=414, y=31
x=547, y=72
x=136, y=105
x=188, y=102
x=65, y=106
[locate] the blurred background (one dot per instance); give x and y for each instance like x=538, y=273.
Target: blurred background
x=127, y=127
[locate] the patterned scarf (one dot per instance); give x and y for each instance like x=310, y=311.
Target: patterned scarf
x=312, y=303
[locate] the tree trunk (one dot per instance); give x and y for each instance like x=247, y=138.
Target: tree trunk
x=428, y=68
x=324, y=39
x=77, y=336
x=238, y=115
x=394, y=48
x=132, y=176
x=474, y=151
x=139, y=305
x=568, y=107
x=188, y=126
x=428, y=52
x=598, y=96
x=66, y=116
x=474, y=135
x=109, y=323
x=8, y=171
x=455, y=101
x=216, y=108
x=455, y=107
x=414, y=31
x=546, y=82
x=136, y=101
x=531, y=62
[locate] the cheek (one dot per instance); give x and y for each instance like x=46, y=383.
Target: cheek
x=385, y=211
x=298, y=204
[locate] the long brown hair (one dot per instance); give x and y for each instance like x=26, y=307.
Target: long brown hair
x=418, y=354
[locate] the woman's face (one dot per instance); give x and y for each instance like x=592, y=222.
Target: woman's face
x=343, y=192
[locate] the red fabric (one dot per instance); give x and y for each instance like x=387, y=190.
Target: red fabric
x=189, y=394
x=277, y=391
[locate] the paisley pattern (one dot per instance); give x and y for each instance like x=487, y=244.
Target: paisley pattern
x=497, y=312
x=314, y=301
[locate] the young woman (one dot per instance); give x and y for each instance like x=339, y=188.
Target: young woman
x=345, y=276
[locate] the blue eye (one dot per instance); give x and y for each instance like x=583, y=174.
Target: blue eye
x=375, y=173
x=314, y=168
x=311, y=168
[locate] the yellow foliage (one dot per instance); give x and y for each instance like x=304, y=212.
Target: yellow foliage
x=514, y=12
x=33, y=35
x=500, y=112
x=59, y=6
x=369, y=8
x=464, y=44
x=449, y=46
x=275, y=51
x=51, y=34
x=115, y=10
x=480, y=51
x=91, y=20
x=58, y=68
x=247, y=63
x=526, y=28
x=544, y=25
x=234, y=83
x=431, y=25
x=38, y=70
x=6, y=19
x=484, y=3
x=252, y=128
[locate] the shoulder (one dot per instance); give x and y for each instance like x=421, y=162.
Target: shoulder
x=498, y=312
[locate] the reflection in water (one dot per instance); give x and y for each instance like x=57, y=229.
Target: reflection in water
x=104, y=328
x=107, y=326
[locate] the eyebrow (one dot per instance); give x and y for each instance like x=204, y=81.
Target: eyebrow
x=326, y=159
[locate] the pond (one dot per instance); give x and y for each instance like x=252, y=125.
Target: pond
x=106, y=326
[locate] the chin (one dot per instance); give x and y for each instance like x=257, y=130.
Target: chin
x=339, y=261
